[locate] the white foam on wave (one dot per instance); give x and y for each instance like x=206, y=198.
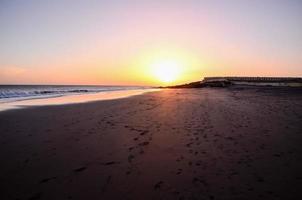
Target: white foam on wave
x=17, y=103
x=11, y=93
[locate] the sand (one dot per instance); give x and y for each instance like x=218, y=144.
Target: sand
x=209, y=143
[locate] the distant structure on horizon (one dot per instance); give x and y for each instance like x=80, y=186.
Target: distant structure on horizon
x=253, y=81
x=224, y=81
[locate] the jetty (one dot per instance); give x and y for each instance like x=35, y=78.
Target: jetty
x=252, y=81
x=225, y=81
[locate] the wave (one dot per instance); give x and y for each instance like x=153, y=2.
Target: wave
x=8, y=92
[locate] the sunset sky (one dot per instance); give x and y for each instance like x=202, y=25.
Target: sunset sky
x=128, y=42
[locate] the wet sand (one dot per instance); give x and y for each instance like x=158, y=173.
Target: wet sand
x=209, y=143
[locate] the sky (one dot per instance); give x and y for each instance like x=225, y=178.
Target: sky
x=122, y=42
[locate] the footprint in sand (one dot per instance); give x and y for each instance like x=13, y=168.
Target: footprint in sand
x=158, y=185
x=45, y=180
x=130, y=158
x=179, y=171
x=144, y=132
x=80, y=169
x=143, y=143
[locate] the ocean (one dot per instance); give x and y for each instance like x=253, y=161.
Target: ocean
x=9, y=93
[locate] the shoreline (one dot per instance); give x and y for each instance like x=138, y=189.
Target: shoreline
x=205, y=143
x=71, y=99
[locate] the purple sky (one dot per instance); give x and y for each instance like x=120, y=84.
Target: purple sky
x=103, y=42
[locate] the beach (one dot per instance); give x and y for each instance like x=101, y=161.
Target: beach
x=208, y=143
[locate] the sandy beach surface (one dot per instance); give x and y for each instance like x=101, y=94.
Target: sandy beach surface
x=210, y=143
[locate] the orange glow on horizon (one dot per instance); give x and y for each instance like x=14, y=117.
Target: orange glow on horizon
x=165, y=66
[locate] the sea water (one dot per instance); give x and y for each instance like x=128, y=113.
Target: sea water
x=16, y=96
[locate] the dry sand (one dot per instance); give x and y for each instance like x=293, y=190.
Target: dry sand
x=173, y=144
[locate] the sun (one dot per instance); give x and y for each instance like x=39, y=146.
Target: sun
x=166, y=71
